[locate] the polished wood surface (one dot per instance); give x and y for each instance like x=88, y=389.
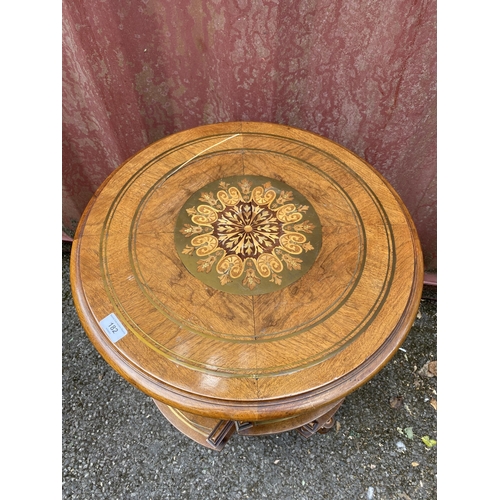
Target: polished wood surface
x=214, y=433
x=309, y=318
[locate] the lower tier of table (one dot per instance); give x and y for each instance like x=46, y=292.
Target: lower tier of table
x=215, y=433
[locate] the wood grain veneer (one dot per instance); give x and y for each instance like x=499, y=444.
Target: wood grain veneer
x=270, y=342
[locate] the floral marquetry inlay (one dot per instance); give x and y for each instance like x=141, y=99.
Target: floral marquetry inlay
x=248, y=235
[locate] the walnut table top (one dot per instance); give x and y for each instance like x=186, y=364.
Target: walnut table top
x=246, y=271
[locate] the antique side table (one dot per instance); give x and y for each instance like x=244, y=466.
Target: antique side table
x=247, y=277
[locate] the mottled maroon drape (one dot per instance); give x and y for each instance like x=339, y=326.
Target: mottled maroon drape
x=360, y=72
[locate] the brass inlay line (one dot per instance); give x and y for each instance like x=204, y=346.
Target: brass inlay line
x=320, y=317
x=319, y=357
x=207, y=149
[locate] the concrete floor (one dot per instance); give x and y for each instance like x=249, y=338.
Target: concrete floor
x=117, y=445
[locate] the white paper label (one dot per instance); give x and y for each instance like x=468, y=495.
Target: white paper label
x=113, y=328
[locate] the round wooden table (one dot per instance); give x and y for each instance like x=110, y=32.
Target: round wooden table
x=246, y=276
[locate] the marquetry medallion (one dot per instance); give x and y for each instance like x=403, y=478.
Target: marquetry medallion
x=248, y=235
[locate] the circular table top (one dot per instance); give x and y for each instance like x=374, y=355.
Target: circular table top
x=246, y=271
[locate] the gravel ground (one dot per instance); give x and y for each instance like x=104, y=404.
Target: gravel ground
x=117, y=445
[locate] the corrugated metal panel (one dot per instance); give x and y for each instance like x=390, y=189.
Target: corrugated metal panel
x=362, y=73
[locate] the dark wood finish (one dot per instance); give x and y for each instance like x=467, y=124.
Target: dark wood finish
x=321, y=424
x=278, y=345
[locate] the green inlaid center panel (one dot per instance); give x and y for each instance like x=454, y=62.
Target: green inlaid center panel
x=248, y=235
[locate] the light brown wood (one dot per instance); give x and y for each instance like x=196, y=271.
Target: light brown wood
x=273, y=333
x=201, y=428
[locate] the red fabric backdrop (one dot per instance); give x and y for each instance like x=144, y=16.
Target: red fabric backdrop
x=360, y=72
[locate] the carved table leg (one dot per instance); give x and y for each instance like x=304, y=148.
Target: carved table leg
x=321, y=424
x=224, y=430
x=214, y=433
x=326, y=426
x=221, y=434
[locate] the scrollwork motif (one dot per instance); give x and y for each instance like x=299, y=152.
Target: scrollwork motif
x=248, y=232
